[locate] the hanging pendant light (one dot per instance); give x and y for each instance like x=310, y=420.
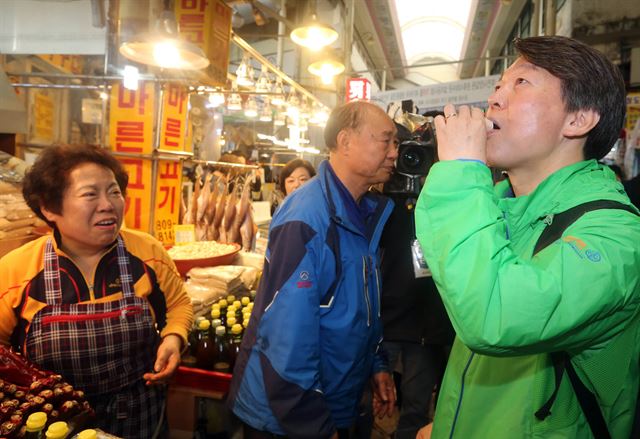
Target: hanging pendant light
x=244, y=73
x=326, y=69
x=266, y=114
x=280, y=119
x=234, y=103
x=263, y=85
x=164, y=48
x=278, y=94
x=314, y=35
x=251, y=108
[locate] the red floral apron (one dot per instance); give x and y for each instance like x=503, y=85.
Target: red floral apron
x=102, y=349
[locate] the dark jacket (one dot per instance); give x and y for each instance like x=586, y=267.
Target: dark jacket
x=412, y=309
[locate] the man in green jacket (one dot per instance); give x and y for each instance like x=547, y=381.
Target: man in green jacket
x=553, y=113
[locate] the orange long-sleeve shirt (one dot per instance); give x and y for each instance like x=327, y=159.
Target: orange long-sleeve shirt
x=22, y=292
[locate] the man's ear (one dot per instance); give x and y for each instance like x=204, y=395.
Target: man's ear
x=580, y=122
x=342, y=141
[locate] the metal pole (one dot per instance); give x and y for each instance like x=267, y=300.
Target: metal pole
x=158, y=113
x=383, y=86
x=347, y=44
x=281, y=32
x=535, y=18
x=550, y=17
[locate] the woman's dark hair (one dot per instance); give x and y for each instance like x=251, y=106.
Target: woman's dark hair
x=48, y=178
x=291, y=166
x=589, y=82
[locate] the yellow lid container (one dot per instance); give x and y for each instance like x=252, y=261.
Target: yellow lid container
x=57, y=430
x=88, y=434
x=36, y=421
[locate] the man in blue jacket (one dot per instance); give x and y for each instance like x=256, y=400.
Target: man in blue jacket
x=313, y=340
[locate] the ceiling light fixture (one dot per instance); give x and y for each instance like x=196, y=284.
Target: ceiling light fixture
x=278, y=91
x=244, y=73
x=163, y=47
x=314, y=35
x=326, y=69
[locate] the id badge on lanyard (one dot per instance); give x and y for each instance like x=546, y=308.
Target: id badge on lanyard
x=420, y=267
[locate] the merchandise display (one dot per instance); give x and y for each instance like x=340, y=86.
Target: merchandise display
x=18, y=224
x=31, y=398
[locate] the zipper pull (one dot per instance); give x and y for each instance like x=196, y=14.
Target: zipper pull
x=548, y=219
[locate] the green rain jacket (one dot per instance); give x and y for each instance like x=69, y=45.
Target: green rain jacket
x=580, y=295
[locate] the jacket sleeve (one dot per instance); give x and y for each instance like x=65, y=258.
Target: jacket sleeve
x=179, y=308
x=567, y=298
x=288, y=336
x=9, y=296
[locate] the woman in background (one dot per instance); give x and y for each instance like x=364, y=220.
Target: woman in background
x=293, y=175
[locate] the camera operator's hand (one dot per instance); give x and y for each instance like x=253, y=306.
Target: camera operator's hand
x=461, y=133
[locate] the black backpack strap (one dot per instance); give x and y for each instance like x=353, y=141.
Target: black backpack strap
x=588, y=403
x=561, y=361
x=562, y=220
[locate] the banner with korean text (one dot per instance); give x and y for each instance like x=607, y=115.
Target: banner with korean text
x=169, y=177
x=131, y=132
x=207, y=23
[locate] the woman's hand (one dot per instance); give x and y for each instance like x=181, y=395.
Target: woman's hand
x=167, y=360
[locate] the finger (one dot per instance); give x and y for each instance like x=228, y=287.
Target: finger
x=464, y=111
x=477, y=113
x=440, y=124
x=449, y=109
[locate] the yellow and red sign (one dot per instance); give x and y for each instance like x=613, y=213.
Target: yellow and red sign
x=168, y=193
x=174, y=107
x=67, y=63
x=131, y=132
x=207, y=23
x=358, y=89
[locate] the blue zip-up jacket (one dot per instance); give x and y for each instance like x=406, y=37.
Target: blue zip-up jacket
x=314, y=336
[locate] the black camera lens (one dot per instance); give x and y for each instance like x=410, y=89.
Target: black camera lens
x=414, y=158
x=411, y=159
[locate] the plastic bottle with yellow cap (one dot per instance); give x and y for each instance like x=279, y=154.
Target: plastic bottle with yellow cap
x=35, y=425
x=57, y=430
x=87, y=434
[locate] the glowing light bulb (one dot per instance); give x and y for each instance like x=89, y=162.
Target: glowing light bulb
x=166, y=54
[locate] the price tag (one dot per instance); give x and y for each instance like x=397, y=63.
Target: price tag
x=184, y=233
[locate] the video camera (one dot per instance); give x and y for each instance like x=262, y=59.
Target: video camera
x=416, y=154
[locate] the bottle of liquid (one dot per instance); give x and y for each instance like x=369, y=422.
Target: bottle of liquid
x=245, y=301
x=221, y=362
x=35, y=425
x=87, y=434
x=238, y=306
x=230, y=299
x=223, y=306
x=230, y=322
x=205, y=352
x=57, y=430
x=236, y=341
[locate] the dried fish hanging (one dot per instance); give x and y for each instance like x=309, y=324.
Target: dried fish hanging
x=221, y=209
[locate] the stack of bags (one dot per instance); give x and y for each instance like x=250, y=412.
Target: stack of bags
x=208, y=284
